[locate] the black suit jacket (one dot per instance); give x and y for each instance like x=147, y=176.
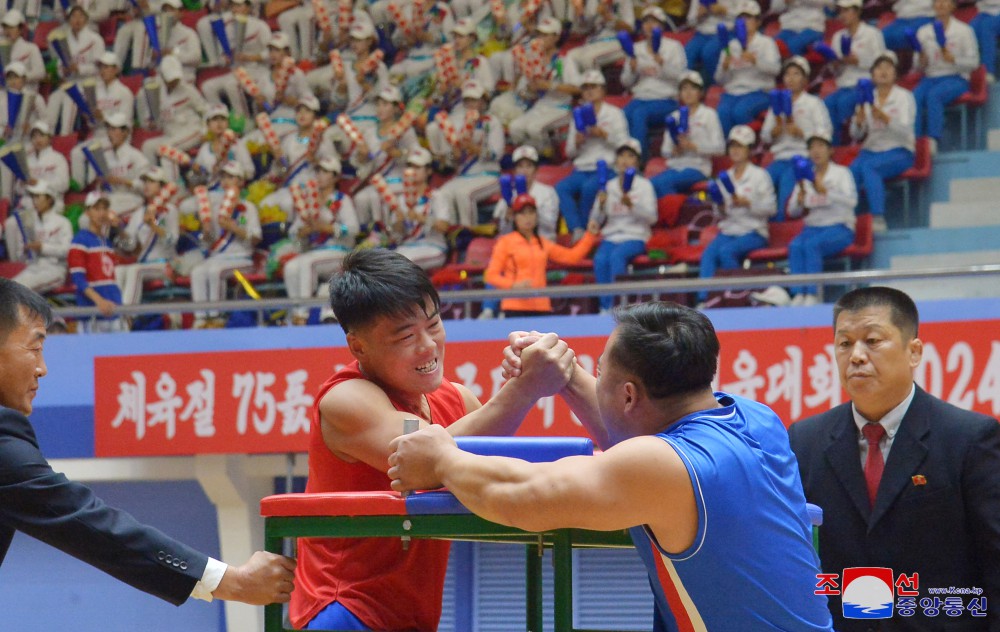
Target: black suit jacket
x=947, y=530
x=67, y=515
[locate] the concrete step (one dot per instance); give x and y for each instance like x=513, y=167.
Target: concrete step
x=954, y=288
x=975, y=189
x=993, y=140
x=957, y=214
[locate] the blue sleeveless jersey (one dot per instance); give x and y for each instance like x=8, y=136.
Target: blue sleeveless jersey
x=752, y=565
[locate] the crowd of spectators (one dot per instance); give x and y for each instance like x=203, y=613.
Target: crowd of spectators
x=185, y=144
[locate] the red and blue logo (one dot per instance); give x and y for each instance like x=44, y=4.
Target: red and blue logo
x=868, y=593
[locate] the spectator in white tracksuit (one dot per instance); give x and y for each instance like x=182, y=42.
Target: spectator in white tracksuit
x=787, y=135
x=85, y=48
x=323, y=239
x=182, y=110
x=229, y=240
x=745, y=212
x=652, y=78
x=476, y=157
x=828, y=206
x=112, y=99
x=252, y=56
x=889, y=142
x=125, y=163
x=689, y=160
x=946, y=69
x=45, y=240
x=578, y=190
x=151, y=236
x=420, y=231
x=802, y=22
x=866, y=44
x=384, y=150
x=746, y=75
x=600, y=21
x=544, y=102
x=214, y=152
x=32, y=106
x=44, y=164
x=626, y=218
x=21, y=50
x=525, y=159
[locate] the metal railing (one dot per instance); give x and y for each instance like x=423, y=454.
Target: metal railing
x=652, y=287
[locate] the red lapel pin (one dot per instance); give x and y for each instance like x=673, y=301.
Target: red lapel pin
x=919, y=479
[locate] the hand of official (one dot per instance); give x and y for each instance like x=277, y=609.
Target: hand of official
x=415, y=456
x=266, y=578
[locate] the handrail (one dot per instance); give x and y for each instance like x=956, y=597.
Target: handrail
x=655, y=286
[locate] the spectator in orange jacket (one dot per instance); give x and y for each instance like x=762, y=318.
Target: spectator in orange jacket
x=520, y=258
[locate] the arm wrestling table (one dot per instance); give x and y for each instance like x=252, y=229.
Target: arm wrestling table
x=386, y=514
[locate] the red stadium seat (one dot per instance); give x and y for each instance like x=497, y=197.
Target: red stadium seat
x=190, y=18
x=553, y=174
x=845, y=154
x=691, y=253
x=973, y=100
x=140, y=135
x=65, y=143
x=618, y=100
x=780, y=234
x=41, y=35
x=668, y=208
x=660, y=247
x=915, y=175
x=863, y=244
x=133, y=82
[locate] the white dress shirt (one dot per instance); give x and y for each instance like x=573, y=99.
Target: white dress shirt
x=834, y=207
x=743, y=77
x=705, y=131
x=612, y=120
x=901, y=108
x=960, y=40
x=867, y=44
x=651, y=81
x=756, y=186
x=809, y=113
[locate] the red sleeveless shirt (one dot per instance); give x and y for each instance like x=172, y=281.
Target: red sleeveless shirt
x=389, y=589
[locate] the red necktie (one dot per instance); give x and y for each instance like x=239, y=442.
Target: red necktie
x=874, y=463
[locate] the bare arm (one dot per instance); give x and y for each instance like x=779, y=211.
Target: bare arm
x=639, y=481
x=359, y=421
x=580, y=392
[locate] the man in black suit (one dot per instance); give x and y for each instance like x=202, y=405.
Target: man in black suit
x=927, y=500
x=46, y=505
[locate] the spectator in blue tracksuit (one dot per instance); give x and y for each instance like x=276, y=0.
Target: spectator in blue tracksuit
x=910, y=14
x=986, y=25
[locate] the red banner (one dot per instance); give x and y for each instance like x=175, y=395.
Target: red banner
x=261, y=401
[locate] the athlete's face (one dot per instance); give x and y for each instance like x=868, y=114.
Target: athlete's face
x=22, y=364
x=610, y=390
x=403, y=354
x=875, y=358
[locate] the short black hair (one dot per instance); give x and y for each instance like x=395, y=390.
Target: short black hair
x=14, y=298
x=671, y=349
x=375, y=282
x=902, y=309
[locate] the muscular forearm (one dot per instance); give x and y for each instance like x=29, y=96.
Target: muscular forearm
x=581, y=396
x=496, y=488
x=501, y=415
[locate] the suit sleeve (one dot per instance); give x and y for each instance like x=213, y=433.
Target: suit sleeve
x=981, y=488
x=68, y=516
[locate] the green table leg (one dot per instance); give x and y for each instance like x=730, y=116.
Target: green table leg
x=562, y=555
x=273, y=614
x=533, y=587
